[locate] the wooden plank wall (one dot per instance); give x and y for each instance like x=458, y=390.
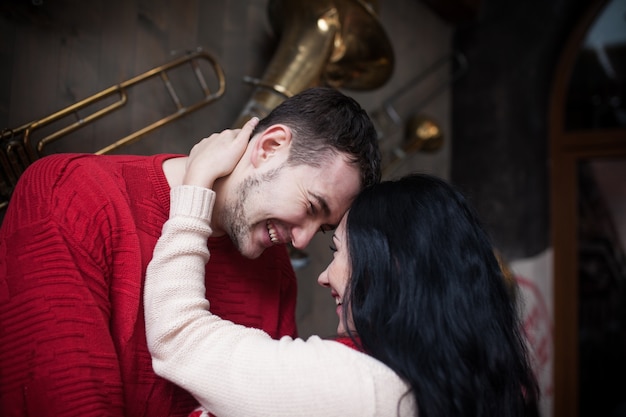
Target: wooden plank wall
x=55, y=53
x=60, y=52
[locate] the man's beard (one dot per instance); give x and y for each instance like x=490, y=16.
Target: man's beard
x=234, y=216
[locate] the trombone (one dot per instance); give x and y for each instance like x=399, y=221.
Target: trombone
x=18, y=148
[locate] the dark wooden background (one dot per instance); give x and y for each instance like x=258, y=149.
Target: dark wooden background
x=55, y=53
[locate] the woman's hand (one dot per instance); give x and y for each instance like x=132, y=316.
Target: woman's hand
x=217, y=155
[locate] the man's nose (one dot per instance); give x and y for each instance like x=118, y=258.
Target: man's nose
x=301, y=236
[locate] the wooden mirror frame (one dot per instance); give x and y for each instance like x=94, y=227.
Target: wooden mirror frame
x=567, y=150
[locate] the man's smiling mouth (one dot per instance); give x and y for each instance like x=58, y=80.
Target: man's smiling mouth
x=272, y=232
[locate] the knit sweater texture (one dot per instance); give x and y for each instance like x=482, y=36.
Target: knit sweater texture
x=74, y=246
x=237, y=371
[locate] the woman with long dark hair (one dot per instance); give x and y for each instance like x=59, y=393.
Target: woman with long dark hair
x=427, y=324
x=428, y=299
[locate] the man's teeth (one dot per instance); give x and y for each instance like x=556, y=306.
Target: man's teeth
x=337, y=301
x=272, y=232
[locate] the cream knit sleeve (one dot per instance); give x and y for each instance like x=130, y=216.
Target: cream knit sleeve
x=237, y=371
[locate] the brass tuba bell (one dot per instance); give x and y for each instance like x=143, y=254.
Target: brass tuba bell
x=339, y=43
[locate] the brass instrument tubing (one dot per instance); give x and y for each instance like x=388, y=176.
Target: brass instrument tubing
x=200, y=78
x=16, y=151
x=81, y=120
x=181, y=111
x=388, y=104
x=170, y=89
x=275, y=88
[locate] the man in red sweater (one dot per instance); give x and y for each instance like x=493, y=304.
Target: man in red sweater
x=80, y=230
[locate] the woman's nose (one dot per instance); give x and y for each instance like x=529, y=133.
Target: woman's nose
x=323, y=278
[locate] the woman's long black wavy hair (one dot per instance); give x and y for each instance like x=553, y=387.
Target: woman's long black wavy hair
x=428, y=299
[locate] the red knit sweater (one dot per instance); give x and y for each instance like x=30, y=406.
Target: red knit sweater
x=74, y=246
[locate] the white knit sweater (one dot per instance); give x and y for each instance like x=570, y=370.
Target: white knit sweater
x=237, y=371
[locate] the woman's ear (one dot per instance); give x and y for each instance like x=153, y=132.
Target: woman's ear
x=272, y=144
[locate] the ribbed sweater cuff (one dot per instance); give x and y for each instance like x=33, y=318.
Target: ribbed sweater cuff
x=189, y=200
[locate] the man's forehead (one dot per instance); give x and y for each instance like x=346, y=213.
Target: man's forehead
x=332, y=204
x=334, y=186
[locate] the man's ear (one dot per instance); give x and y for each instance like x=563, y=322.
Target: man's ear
x=274, y=142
